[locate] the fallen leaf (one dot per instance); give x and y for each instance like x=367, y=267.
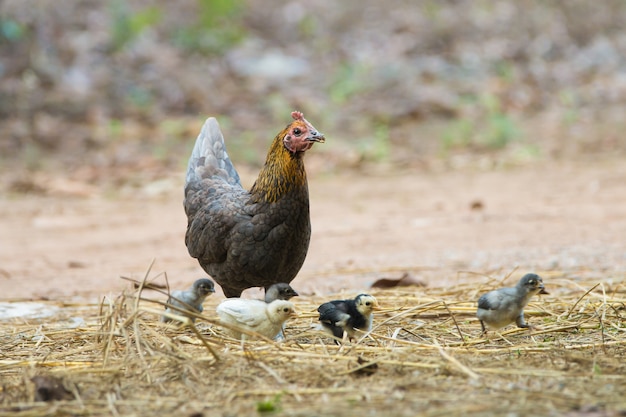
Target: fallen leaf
x=405, y=280
x=477, y=205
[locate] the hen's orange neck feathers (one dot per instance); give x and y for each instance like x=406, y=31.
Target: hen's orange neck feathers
x=283, y=172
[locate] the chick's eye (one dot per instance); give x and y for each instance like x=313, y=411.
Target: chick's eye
x=286, y=310
x=297, y=131
x=367, y=303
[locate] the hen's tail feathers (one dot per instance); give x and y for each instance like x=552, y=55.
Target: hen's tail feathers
x=209, y=157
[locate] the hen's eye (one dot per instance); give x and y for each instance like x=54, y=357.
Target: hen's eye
x=297, y=131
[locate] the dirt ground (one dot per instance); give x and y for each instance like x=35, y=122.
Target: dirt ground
x=439, y=227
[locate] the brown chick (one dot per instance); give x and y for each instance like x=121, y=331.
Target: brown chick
x=253, y=238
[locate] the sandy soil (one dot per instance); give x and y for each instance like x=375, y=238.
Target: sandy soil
x=438, y=227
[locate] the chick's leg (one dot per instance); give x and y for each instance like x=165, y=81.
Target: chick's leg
x=482, y=324
x=520, y=321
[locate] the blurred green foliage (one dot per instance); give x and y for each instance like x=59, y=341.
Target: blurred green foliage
x=458, y=134
x=378, y=147
x=277, y=105
x=568, y=101
x=489, y=127
x=114, y=128
x=140, y=97
x=127, y=26
x=32, y=157
x=499, y=128
x=349, y=79
x=174, y=134
x=11, y=30
x=217, y=28
x=269, y=406
x=308, y=26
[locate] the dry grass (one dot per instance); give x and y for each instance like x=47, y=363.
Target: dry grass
x=425, y=355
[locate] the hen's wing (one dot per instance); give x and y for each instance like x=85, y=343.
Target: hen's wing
x=247, y=312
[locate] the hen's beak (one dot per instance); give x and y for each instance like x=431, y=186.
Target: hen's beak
x=316, y=136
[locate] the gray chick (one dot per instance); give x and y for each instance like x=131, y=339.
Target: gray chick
x=279, y=291
x=504, y=306
x=190, y=299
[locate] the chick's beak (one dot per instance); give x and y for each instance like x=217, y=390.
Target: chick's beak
x=543, y=290
x=315, y=136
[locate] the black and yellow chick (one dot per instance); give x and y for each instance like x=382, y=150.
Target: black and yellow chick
x=348, y=316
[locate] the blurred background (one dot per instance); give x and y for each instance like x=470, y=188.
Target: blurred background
x=109, y=95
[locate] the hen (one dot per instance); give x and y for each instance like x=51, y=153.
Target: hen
x=253, y=238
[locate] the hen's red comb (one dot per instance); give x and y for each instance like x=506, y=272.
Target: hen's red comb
x=297, y=115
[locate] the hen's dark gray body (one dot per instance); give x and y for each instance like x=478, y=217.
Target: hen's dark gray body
x=243, y=238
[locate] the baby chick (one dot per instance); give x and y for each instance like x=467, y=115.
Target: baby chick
x=256, y=315
x=504, y=306
x=341, y=316
x=279, y=291
x=190, y=299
